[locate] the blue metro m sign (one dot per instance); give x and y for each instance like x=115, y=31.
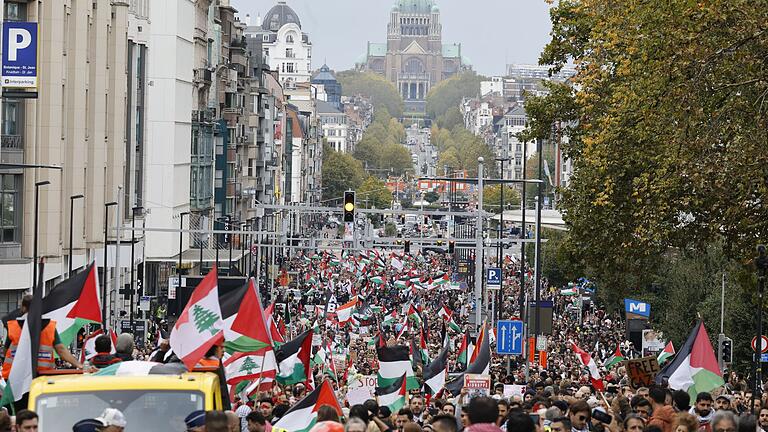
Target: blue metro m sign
x=636, y=309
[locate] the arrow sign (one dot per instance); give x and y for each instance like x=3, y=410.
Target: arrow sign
x=510, y=337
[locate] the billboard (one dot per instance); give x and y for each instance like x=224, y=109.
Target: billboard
x=19, y=68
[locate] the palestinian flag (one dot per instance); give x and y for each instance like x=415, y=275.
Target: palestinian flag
x=24, y=367
x=378, y=280
x=344, y=312
x=274, y=332
x=447, y=316
x=615, y=359
x=245, y=326
x=463, y=356
x=414, y=314
x=481, y=339
x=200, y=324
x=302, y=416
x=588, y=362
x=394, y=362
x=569, y=292
x=250, y=366
x=423, y=350
x=440, y=280
x=89, y=346
x=694, y=369
x=293, y=359
x=666, y=353
x=390, y=318
x=74, y=303
x=436, y=372
x=142, y=368
x=393, y=396
x=401, y=283
x=481, y=365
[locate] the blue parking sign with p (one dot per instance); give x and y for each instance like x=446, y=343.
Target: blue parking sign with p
x=493, y=276
x=19, y=66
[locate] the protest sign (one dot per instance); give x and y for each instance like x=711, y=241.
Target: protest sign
x=361, y=389
x=642, y=372
x=477, y=384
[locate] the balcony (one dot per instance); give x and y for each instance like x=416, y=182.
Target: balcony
x=203, y=76
x=12, y=142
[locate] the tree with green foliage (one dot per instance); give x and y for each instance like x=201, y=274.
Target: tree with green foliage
x=373, y=193
x=492, y=198
x=341, y=172
x=459, y=149
x=665, y=123
x=451, y=119
x=449, y=93
x=375, y=87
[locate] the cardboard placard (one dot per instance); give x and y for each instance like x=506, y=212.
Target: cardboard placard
x=512, y=390
x=477, y=385
x=361, y=389
x=642, y=372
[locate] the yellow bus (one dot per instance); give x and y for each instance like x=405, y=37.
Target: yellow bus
x=149, y=402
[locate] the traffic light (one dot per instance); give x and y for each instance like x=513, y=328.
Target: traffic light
x=725, y=350
x=407, y=247
x=349, y=206
x=451, y=246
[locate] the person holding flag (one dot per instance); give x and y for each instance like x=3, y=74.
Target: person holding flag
x=50, y=343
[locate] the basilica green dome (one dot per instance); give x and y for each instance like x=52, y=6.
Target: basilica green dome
x=416, y=6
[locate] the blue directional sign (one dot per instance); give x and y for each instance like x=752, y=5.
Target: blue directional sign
x=493, y=276
x=509, y=337
x=764, y=357
x=19, y=66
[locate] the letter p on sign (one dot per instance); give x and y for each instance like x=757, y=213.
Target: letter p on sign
x=19, y=39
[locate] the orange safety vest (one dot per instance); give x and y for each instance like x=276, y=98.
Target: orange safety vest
x=45, y=355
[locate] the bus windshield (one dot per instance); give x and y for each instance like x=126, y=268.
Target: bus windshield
x=145, y=410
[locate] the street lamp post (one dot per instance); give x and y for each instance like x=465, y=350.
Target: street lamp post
x=479, y=243
x=499, y=252
x=71, y=228
x=37, y=290
x=181, y=246
x=761, y=262
x=134, y=211
x=105, y=267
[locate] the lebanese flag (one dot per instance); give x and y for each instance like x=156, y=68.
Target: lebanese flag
x=89, y=346
x=74, y=303
x=293, y=360
x=694, y=369
x=589, y=362
x=200, y=324
x=303, y=416
x=245, y=327
x=250, y=366
x=344, y=312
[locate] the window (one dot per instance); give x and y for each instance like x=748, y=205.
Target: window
x=266, y=52
x=9, y=204
x=265, y=38
x=15, y=11
x=289, y=68
x=289, y=53
x=289, y=38
x=10, y=300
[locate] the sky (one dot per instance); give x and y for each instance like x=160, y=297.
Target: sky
x=492, y=33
